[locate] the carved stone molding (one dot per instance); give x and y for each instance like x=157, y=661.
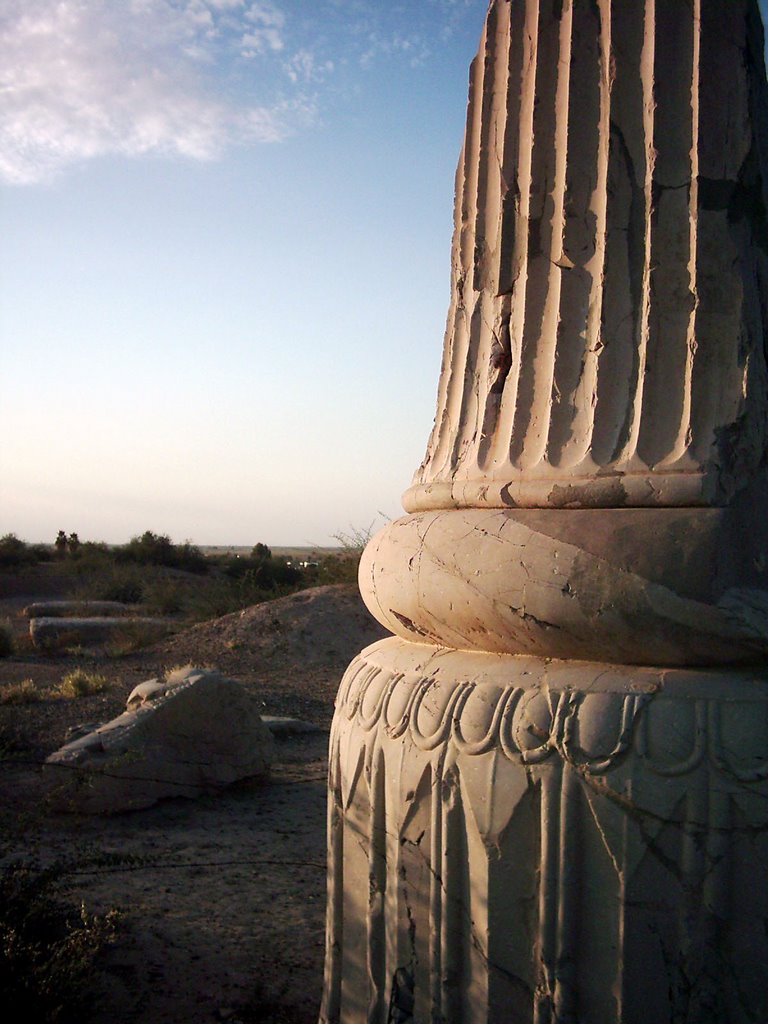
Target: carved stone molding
x=646, y=586
x=589, y=714
x=533, y=842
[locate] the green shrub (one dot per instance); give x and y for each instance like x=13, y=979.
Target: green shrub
x=127, y=587
x=354, y=542
x=164, y=597
x=158, y=549
x=264, y=573
x=79, y=683
x=23, y=692
x=220, y=598
x=227, y=595
x=110, y=582
x=131, y=637
x=14, y=552
x=343, y=567
x=48, y=947
x=92, y=556
x=41, y=552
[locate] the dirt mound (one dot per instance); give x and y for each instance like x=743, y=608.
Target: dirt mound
x=295, y=649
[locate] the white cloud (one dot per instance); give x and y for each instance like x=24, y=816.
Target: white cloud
x=82, y=79
x=303, y=66
x=86, y=78
x=266, y=33
x=262, y=39
x=416, y=51
x=265, y=14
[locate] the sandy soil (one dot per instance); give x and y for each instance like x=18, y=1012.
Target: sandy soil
x=223, y=904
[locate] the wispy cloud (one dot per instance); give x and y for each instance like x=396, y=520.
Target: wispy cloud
x=84, y=78
x=304, y=66
x=266, y=31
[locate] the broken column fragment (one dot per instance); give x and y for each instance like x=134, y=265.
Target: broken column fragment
x=549, y=790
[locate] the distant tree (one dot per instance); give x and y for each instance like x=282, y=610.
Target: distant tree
x=152, y=548
x=13, y=552
x=40, y=552
x=60, y=544
x=261, y=553
x=158, y=549
x=73, y=544
x=262, y=569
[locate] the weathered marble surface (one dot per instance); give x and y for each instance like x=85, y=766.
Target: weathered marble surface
x=642, y=586
x=606, y=336
x=524, y=840
x=549, y=793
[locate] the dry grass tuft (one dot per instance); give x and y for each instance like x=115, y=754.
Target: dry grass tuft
x=79, y=683
x=24, y=692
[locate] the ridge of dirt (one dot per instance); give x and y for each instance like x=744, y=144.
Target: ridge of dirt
x=319, y=630
x=294, y=650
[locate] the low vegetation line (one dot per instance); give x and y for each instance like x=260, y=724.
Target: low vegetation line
x=163, y=578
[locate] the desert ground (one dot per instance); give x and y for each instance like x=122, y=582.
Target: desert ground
x=221, y=900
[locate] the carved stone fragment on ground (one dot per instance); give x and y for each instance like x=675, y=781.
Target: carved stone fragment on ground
x=77, y=609
x=548, y=792
x=53, y=633
x=193, y=733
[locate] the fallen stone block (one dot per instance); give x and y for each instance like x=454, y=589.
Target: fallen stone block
x=193, y=733
x=54, y=633
x=77, y=609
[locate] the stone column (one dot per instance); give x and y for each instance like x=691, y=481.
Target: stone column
x=549, y=790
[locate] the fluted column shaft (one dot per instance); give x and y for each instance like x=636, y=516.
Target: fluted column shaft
x=605, y=342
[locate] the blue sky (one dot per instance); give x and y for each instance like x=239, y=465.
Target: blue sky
x=224, y=272
x=225, y=263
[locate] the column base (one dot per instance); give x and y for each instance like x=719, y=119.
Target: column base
x=515, y=839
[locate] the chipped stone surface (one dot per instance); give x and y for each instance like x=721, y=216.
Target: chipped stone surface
x=548, y=792
x=193, y=733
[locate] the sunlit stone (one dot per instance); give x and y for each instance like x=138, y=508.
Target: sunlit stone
x=548, y=792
